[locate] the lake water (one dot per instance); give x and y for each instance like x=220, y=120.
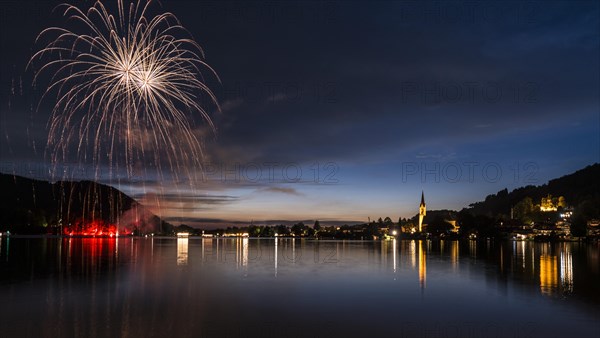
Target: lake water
x=166, y=287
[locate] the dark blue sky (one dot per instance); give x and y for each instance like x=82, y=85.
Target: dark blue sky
x=459, y=99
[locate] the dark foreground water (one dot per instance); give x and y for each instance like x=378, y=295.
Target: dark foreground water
x=151, y=287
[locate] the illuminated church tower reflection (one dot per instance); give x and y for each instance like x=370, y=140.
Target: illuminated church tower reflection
x=422, y=265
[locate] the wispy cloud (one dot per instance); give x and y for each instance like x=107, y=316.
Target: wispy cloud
x=190, y=198
x=281, y=190
x=232, y=104
x=205, y=222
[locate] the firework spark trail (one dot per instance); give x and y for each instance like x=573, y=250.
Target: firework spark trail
x=127, y=88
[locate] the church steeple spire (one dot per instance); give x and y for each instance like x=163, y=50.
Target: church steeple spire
x=422, y=211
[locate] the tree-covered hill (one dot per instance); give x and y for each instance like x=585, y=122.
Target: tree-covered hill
x=33, y=206
x=576, y=188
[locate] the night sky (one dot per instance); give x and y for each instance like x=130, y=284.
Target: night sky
x=350, y=109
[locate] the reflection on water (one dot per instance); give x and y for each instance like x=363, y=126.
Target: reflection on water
x=566, y=270
x=275, y=250
x=182, y=251
x=74, y=286
x=7, y=241
x=454, y=253
x=413, y=254
x=422, y=265
x=548, y=274
x=473, y=248
x=395, y=254
x=244, y=244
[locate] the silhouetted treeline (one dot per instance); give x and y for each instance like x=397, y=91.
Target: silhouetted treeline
x=581, y=186
x=35, y=207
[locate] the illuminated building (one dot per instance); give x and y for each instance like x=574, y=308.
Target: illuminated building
x=566, y=215
x=593, y=227
x=551, y=204
x=239, y=234
x=422, y=211
x=455, y=227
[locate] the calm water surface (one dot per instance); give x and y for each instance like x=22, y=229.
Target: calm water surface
x=159, y=287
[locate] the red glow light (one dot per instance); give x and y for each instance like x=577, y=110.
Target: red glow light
x=95, y=228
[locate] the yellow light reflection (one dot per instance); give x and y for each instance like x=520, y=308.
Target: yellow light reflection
x=413, y=254
x=422, y=265
x=182, y=251
x=294, y=251
x=245, y=252
x=473, y=249
x=383, y=251
x=395, y=254
x=548, y=274
x=454, y=253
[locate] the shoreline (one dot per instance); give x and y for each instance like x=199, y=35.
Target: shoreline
x=400, y=238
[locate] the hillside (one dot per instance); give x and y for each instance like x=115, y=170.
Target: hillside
x=33, y=206
x=578, y=187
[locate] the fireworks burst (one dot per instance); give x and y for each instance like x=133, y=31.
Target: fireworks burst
x=128, y=89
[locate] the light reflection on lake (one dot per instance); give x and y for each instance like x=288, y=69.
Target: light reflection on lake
x=182, y=251
x=299, y=288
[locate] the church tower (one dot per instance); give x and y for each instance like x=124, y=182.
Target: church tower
x=422, y=211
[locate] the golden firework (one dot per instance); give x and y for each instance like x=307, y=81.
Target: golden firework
x=128, y=89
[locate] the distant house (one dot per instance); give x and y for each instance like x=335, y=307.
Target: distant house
x=455, y=227
x=522, y=233
x=566, y=213
x=549, y=203
x=593, y=227
x=547, y=229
